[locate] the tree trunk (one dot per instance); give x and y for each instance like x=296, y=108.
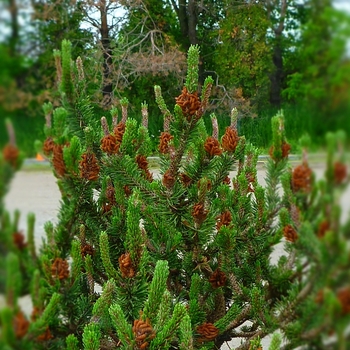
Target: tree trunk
x=187, y=15
x=276, y=77
x=192, y=22
x=183, y=21
x=107, y=85
x=13, y=8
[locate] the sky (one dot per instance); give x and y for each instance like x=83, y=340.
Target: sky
x=342, y=5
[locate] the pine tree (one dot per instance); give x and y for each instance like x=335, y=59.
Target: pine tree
x=182, y=254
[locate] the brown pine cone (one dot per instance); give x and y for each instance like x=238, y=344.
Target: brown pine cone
x=165, y=138
x=343, y=296
x=127, y=190
x=109, y=144
x=10, y=154
x=340, y=172
x=36, y=312
x=87, y=249
x=47, y=335
x=301, y=178
x=230, y=140
x=59, y=269
x=18, y=240
x=224, y=219
x=185, y=179
x=189, y=103
x=217, y=279
x=57, y=160
x=227, y=180
x=199, y=213
x=143, y=164
x=208, y=185
x=290, y=234
x=285, y=149
x=48, y=146
x=207, y=331
x=319, y=298
x=143, y=332
x=119, y=131
x=89, y=168
x=20, y=325
x=126, y=266
x=110, y=194
x=323, y=227
x=212, y=146
x=168, y=180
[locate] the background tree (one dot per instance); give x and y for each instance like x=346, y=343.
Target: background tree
x=243, y=50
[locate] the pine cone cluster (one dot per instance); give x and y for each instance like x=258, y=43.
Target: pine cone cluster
x=10, y=154
x=18, y=240
x=289, y=233
x=217, y=279
x=89, y=168
x=59, y=269
x=301, y=178
x=165, y=138
x=224, y=219
x=142, y=163
x=199, y=213
x=340, y=172
x=57, y=160
x=126, y=266
x=20, y=325
x=143, y=332
x=207, y=332
x=230, y=140
x=189, y=103
x=212, y=146
x=343, y=296
x=48, y=146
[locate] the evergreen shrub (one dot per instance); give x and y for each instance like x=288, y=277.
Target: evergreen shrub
x=181, y=258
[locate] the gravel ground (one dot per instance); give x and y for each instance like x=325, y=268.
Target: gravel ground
x=36, y=191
